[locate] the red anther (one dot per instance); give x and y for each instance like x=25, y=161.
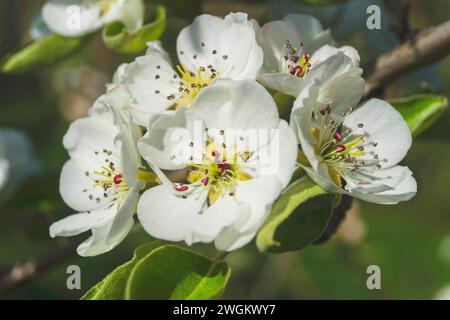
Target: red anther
x=294, y=58
x=295, y=70
x=307, y=57
x=205, y=181
x=181, y=188
x=291, y=69
x=117, y=179
x=325, y=110
x=340, y=148
x=223, y=167
x=338, y=136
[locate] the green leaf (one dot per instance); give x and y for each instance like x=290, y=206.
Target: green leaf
x=298, y=218
x=42, y=53
x=113, y=286
x=171, y=272
x=116, y=37
x=420, y=111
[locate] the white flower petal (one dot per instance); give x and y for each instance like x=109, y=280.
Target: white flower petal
x=311, y=31
x=87, y=136
x=79, y=223
x=77, y=189
x=301, y=122
x=231, y=239
x=100, y=243
x=404, y=190
x=330, y=68
x=384, y=125
x=221, y=214
x=236, y=105
x=229, y=45
x=326, y=51
x=61, y=16
x=276, y=158
x=155, y=49
x=167, y=216
x=150, y=80
x=132, y=14
x=284, y=82
x=341, y=93
x=272, y=38
x=258, y=194
x=322, y=178
x=167, y=140
x=123, y=216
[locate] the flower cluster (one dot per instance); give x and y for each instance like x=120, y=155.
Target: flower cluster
x=197, y=150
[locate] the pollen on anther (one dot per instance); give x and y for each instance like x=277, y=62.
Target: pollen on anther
x=337, y=136
x=340, y=148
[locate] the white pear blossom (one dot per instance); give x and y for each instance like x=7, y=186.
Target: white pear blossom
x=101, y=178
x=225, y=194
x=297, y=50
x=79, y=17
x=353, y=149
x=17, y=160
x=210, y=48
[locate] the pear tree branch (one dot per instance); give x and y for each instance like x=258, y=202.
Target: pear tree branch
x=17, y=274
x=427, y=47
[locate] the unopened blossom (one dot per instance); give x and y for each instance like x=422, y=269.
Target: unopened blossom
x=298, y=50
x=226, y=192
x=101, y=178
x=210, y=48
x=79, y=17
x=353, y=149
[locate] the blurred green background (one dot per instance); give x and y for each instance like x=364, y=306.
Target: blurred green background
x=410, y=241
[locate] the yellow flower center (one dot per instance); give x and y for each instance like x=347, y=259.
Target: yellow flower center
x=108, y=178
x=294, y=61
x=217, y=172
x=191, y=84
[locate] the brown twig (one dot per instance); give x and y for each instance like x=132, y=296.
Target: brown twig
x=425, y=48
x=12, y=276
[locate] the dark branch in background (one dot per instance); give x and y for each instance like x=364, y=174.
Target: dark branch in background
x=15, y=275
x=426, y=48
x=400, y=14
